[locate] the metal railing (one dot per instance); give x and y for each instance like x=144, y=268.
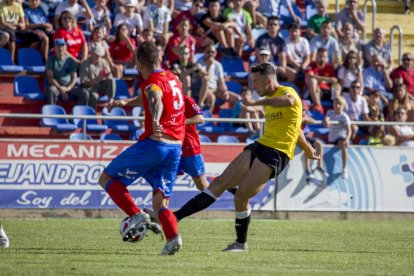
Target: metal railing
x=400, y=40
x=374, y=13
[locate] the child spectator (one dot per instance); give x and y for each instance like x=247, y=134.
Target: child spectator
x=404, y=134
x=401, y=99
x=376, y=136
x=122, y=48
x=375, y=112
x=101, y=16
x=339, y=134
x=325, y=40
x=388, y=140
x=297, y=52
x=178, y=41
x=314, y=23
x=350, y=71
x=157, y=18
x=131, y=18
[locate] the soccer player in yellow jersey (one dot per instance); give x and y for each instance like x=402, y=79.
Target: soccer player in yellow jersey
x=262, y=160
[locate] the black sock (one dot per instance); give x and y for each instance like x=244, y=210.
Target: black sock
x=242, y=225
x=194, y=205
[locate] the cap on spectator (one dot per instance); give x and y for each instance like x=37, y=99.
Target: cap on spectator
x=131, y=3
x=60, y=41
x=264, y=51
x=97, y=49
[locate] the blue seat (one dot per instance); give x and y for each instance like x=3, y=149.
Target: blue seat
x=135, y=134
x=91, y=124
x=130, y=72
x=206, y=114
x=227, y=139
x=121, y=91
x=226, y=113
x=204, y=138
x=136, y=112
x=233, y=66
x=31, y=60
x=79, y=137
x=6, y=63
x=118, y=125
x=234, y=86
x=317, y=128
x=59, y=124
x=110, y=137
x=28, y=87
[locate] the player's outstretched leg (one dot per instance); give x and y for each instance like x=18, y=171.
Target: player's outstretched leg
x=196, y=204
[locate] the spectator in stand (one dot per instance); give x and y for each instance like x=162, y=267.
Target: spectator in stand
x=376, y=136
x=180, y=40
x=404, y=134
x=69, y=31
x=96, y=77
x=315, y=22
x=181, y=6
x=297, y=52
x=350, y=14
x=263, y=55
x=401, y=99
x=320, y=77
x=184, y=67
x=339, y=134
x=407, y=9
x=219, y=27
x=122, y=48
x=375, y=112
x=250, y=112
x=259, y=20
x=147, y=36
x=347, y=43
x=101, y=16
x=356, y=106
x=74, y=8
x=379, y=47
x=243, y=22
x=36, y=20
x=325, y=40
x=377, y=77
x=4, y=38
x=61, y=76
x=157, y=18
x=12, y=22
x=132, y=19
x=404, y=74
x=350, y=71
x=272, y=8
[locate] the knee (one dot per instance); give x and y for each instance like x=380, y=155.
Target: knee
x=103, y=180
x=241, y=198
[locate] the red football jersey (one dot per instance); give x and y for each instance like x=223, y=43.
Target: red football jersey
x=191, y=145
x=172, y=118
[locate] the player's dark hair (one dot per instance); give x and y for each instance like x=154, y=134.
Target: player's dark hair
x=265, y=69
x=147, y=54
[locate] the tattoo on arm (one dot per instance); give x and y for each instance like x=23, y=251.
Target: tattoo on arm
x=155, y=104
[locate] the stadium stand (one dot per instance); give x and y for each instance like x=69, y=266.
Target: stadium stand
x=60, y=124
x=31, y=60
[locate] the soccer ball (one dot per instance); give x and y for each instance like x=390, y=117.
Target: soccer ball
x=134, y=234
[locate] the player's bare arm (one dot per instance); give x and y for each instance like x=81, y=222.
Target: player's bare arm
x=135, y=101
x=197, y=119
x=310, y=152
x=156, y=107
x=287, y=100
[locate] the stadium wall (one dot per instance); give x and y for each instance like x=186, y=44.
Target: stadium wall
x=62, y=175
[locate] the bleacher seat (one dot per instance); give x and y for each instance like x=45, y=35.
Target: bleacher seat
x=121, y=91
x=91, y=124
x=317, y=128
x=31, y=60
x=135, y=134
x=204, y=138
x=59, y=124
x=6, y=63
x=110, y=137
x=130, y=72
x=28, y=87
x=233, y=66
x=136, y=112
x=234, y=86
x=227, y=139
x=117, y=125
x=79, y=137
x=226, y=113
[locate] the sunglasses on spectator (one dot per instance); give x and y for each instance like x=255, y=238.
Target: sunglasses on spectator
x=66, y=18
x=211, y=52
x=352, y=57
x=400, y=113
x=407, y=59
x=355, y=86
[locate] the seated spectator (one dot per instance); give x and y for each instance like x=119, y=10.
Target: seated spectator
x=388, y=140
x=273, y=8
x=347, y=43
x=122, y=48
x=339, y=134
x=263, y=55
x=379, y=47
x=69, y=31
x=350, y=71
x=147, y=36
x=375, y=112
x=101, y=16
x=250, y=112
x=12, y=22
x=178, y=41
x=37, y=21
x=356, y=106
x=4, y=38
x=259, y=20
x=376, y=136
x=325, y=40
x=132, y=19
x=61, y=76
x=219, y=27
x=350, y=14
x=74, y=8
x=377, y=77
x=96, y=77
x=401, y=99
x=404, y=134
x=243, y=22
x=297, y=52
x=320, y=76
x=181, y=6
x=184, y=68
x=404, y=74
x=315, y=22
x=157, y=18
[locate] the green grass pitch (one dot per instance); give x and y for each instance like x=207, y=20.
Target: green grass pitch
x=277, y=247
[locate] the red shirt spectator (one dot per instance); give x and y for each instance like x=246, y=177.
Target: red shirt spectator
x=405, y=72
x=120, y=52
x=325, y=71
x=176, y=42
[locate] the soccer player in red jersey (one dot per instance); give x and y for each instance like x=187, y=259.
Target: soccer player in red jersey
x=156, y=155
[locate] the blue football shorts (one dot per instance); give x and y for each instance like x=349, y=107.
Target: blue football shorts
x=155, y=161
x=193, y=165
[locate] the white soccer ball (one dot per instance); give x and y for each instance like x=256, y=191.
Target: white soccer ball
x=134, y=234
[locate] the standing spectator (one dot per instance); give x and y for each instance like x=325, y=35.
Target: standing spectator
x=325, y=40
x=180, y=40
x=356, y=106
x=184, y=67
x=157, y=18
x=351, y=14
x=101, y=16
x=377, y=77
x=95, y=76
x=401, y=99
x=350, y=71
x=69, y=31
x=122, y=48
x=405, y=73
x=320, y=77
x=74, y=8
x=61, y=76
x=36, y=20
x=379, y=47
x=404, y=134
x=315, y=22
x=339, y=134
x=297, y=52
x=131, y=18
